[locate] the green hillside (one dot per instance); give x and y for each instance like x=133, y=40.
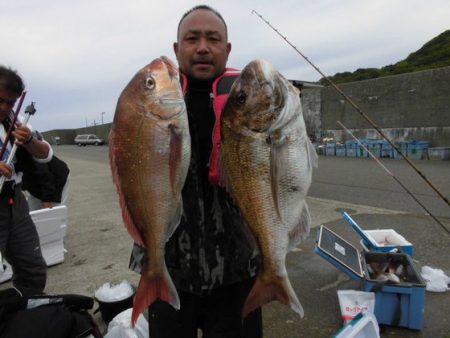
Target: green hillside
x=434, y=54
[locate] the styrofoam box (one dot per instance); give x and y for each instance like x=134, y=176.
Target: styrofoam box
x=379, y=237
x=51, y=225
x=384, y=240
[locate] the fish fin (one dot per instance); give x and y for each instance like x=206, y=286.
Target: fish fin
x=176, y=154
x=301, y=230
x=176, y=219
x=152, y=288
x=126, y=216
x=264, y=291
x=312, y=154
x=277, y=154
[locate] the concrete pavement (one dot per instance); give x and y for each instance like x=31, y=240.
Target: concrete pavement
x=98, y=249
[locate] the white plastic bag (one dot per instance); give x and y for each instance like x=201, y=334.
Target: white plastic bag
x=437, y=280
x=120, y=326
x=353, y=302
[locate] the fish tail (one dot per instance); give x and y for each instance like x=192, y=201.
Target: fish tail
x=152, y=288
x=264, y=291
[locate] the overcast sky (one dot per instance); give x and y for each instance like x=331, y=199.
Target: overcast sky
x=76, y=56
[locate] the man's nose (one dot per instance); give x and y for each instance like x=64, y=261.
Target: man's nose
x=203, y=46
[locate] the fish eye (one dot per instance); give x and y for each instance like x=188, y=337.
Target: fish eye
x=150, y=83
x=241, y=97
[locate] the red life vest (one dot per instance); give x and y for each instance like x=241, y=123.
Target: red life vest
x=220, y=90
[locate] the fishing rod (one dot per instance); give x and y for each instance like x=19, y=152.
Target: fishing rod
x=394, y=177
x=29, y=110
x=11, y=126
x=354, y=105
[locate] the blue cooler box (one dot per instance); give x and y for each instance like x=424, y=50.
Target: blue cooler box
x=396, y=304
x=384, y=240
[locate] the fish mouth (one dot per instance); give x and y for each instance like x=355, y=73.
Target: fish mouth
x=170, y=101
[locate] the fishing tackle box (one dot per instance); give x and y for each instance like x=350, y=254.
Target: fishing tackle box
x=373, y=239
x=396, y=304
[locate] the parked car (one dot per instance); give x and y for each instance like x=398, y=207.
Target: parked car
x=83, y=140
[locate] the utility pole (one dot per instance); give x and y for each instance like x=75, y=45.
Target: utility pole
x=103, y=113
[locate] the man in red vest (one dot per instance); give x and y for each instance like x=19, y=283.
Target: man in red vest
x=209, y=257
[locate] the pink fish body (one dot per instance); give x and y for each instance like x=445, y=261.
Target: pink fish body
x=149, y=148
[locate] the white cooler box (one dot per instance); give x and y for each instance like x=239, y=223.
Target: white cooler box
x=51, y=225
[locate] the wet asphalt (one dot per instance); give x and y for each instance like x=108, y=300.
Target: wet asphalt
x=98, y=246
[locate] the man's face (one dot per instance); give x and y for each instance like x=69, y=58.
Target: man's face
x=7, y=101
x=202, y=48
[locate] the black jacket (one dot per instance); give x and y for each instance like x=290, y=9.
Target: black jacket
x=44, y=181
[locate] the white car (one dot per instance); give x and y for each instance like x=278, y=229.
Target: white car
x=83, y=140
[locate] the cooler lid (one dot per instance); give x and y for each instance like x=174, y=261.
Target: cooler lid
x=339, y=252
x=357, y=228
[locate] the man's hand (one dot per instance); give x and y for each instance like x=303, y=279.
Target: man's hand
x=25, y=138
x=22, y=134
x=5, y=169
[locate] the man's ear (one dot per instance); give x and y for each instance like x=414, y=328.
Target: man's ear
x=228, y=49
x=175, y=48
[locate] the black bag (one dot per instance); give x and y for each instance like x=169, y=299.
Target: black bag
x=57, y=316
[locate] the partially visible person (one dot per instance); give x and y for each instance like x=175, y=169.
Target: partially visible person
x=19, y=240
x=210, y=257
x=48, y=184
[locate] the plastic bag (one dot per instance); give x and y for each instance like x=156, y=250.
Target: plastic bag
x=437, y=280
x=120, y=326
x=353, y=302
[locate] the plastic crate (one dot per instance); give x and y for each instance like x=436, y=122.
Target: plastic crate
x=374, y=147
x=330, y=149
x=350, y=148
x=417, y=150
x=403, y=147
x=360, y=151
x=439, y=153
x=387, y=151
x=340, y=150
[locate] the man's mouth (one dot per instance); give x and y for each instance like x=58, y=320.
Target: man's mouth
x=202, y=63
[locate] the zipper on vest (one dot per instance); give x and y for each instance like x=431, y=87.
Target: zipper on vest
x=213, y=109
x=211, y=101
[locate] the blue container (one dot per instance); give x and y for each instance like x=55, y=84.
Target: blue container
x=396, y=304
x=403, y=147
x=360, y=151
x=340, y=150
x=374, y=147
x=417, y=150
x=387, y=151
x=330, y=149
x=350, y=148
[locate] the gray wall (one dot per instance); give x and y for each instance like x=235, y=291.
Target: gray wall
x=407, y=106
